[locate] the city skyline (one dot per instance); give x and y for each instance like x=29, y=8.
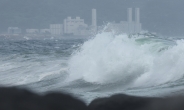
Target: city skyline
x=77, y=26
x=164, y=17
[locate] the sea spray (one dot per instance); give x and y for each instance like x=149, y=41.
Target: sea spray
x=109, y=58
x=167, y=67
x=137, y=61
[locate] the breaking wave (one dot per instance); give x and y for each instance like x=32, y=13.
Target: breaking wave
x=138, y=61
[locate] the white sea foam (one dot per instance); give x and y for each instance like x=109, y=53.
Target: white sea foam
x=139, y=61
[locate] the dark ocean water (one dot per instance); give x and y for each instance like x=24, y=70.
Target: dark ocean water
x=101, y=66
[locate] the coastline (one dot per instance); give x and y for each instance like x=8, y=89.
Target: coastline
x=39, y=37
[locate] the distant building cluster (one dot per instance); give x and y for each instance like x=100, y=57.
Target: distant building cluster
x=77, y=26
x=128, y=26
x=14, y=30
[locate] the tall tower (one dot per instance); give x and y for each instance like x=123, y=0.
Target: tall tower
x=137, y=21
x=94, y=23
x=129, y=15
x=137, y=15
x=130, y=22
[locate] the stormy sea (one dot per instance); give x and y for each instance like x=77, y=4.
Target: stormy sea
x=105, y=64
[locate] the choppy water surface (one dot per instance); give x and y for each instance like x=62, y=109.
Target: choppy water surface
x=101, y=66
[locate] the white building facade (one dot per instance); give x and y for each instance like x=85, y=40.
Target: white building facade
x=75, y=26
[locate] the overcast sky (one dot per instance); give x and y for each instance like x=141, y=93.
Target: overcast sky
x=162, y=16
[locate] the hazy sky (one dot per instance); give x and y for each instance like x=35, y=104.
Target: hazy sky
x=161, y=16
